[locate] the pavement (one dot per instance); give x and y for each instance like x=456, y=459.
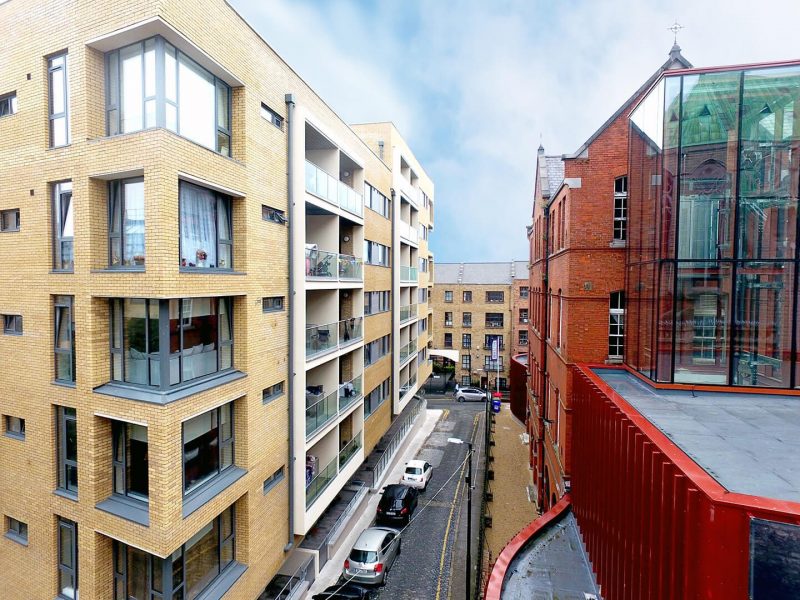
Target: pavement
x=330, y=573
x=510, y=508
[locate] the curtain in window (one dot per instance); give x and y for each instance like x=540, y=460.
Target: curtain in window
x=198, y=227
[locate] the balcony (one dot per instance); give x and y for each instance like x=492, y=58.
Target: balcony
x=323, y=409
x=330, y=189
x=408, y=274
x=408, y=232
x=325, y=338
x=412, y=381
x=350, y=393
x=321, y=264
x=350, y=450
x=409, y=191
x=408, y=312
x=408, y=351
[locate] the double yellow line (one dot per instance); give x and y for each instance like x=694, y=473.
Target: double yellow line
x=450, y=518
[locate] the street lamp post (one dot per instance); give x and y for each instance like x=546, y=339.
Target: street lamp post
x=468, y=570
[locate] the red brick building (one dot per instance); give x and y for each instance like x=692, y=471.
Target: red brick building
x=520, y=307
x=577, y=281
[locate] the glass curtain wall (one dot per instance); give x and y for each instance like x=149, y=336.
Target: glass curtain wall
x=712, y=285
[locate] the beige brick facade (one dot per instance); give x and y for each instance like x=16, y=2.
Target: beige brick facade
x=211, y=33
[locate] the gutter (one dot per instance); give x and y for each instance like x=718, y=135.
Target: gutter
x=545, y=332
x=289, y=98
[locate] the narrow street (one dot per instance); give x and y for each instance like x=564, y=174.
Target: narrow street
x=433, y=549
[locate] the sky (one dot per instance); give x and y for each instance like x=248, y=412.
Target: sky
x=476, y=85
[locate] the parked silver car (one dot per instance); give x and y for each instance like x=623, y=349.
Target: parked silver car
x=372, y=555
x=471, y=394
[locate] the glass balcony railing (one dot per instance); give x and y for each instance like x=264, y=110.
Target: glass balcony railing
x=410, y=192
x=408, y=273
x=323, y=338
x=349, y=450
x=320, y=410
x=351, y=330
x=327, y=187
x=350, y=267
x=408, y=312
x=320, y=481
x=412, y=381
x=408, y=350
x=321, y=264
x=408, y=232
x=350, y=392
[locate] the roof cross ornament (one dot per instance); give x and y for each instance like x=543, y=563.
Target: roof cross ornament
x=675, y=28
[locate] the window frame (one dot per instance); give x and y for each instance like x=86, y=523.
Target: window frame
x=466, y=340
x=492, y=297
x=270, y=304
x=70, y=571
x=17, y=432
x=121, y=433
x=15, y=213
x=15, y=327
x=10, y=99
x=64, y=304
x=16, y=530
x=116, y=188
x=60, y=191
x=53, y=116
x=273, y=215
x=466, y=296
x=273, y=480
x=227, y=202
x=275, y=118
x=222, y=445
x=63, y=463
x=616, y=309
x=448, y=296
x=520, y=340
x=620, y=233
x=273, y=392
x=466, y=361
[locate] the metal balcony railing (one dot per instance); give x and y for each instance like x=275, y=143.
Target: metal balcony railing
x=323, y=338
x=321, y=264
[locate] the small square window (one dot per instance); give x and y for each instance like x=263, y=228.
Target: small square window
x=448, y=296
x=12, y=324
x=272, y=303
x=9, y=219
x=272, y=116
x=16, y=530
x=15, y=427
x=272, y=392
x=274, y=479
x=8, y=104
x=273, y=214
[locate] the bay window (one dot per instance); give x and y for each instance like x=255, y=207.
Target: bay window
x=163, y=343
x=153, y=84
x=206, y=231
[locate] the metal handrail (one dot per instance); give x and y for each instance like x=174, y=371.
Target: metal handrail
x=387, y=455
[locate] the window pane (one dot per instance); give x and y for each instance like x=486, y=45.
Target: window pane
x=202, y=559
x=66, y=585
x=198, y=226
x=137, y=460
x=200, y=343
x=131, y=92
x=57, y=92
x=196, y=93
x=135, y=342
x=702, y=314
x=200, y=449
x=763, y=318
x=170, y=75
x=65, y=546
x=222, y=105
x=150, y=67
x=133, y=223
x=59, y=131
x=137, y=574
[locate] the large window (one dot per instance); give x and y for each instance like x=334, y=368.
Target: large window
x=161, y=343
x=67, y=549
x=152, y=84
x=495, y=296
x=207, y=446
x=186, y=573
x=377, y=302
x=377, y=349
x=621, y=209
x=377, y=396
x=616, y=324
x=67, y=449
x=466, y=361
x=206, y=228
x=376, y=201
x=490, y=339
x=377, y=254
x=494, y=320
x=63, y=227
x=64, y=347
x=58, y=91
x=126, y=223
x=130, y=460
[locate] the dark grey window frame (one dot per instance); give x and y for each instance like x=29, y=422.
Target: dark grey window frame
x=228, y=205
x=371, y=247
x=53, y=115
x=274, y=118
x=14, y=432
x=64, y=414
x=59, y=303
x=273, y=304
x=383, y=302
x=120, y=562
x=60, y=241
x=164, y=343
x=116, y=189
x=12, y=324
x=466, y=340
x=371, y=193
x=273, y=215
x=491, y=297
x=272, y=392
x=70, y=571
x=222, y=444
x=113, y=124
x=119, y=433
x=274, y=479
x=448, y=296
x=3, y=213
x=16, y=530
x=10, y=101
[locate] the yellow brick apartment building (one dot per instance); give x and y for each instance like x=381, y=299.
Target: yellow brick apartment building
x=212, y=300
x=474, y=305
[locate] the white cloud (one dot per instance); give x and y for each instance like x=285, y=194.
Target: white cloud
x=473, y=84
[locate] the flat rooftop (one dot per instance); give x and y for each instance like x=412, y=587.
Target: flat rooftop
x=749, y=443
x=552, y=565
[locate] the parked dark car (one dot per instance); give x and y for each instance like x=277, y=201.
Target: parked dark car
x=397, y=504
x=344, y=591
